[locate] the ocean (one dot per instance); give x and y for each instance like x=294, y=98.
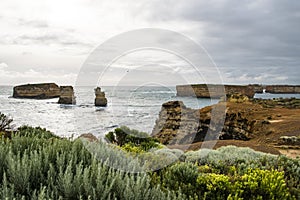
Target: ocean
x=135, y=107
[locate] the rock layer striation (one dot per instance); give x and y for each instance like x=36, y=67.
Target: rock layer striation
x=216, y=91
x=100, y=99
x=178, y=124
x=67, y=95
x=37, y=91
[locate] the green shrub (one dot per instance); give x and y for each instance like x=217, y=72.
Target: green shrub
x=242, y=159
x=263, y=184
x=35, y=164
x=4, y=135
x=34, y=167
x=5, y=126
x=214, y=186
x=133, y=140
x=5, y=123
x=129, y=147
x=39, y=132
x=228, y=156
x=181, y=177
x=158, y=159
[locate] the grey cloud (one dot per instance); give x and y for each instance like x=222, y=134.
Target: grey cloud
x=43, y=38
x=242, y=34
x=62, y=39
x=26, y=53
x=270, y=74
x=33, y=23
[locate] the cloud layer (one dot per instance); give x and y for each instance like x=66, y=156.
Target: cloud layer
x=251, y=41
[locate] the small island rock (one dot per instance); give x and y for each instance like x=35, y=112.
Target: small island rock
x=66, y=95
x=100, y=99
x=37, y=91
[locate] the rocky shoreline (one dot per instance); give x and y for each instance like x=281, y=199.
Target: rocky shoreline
x=269, y=125
x=66, y=94
x=246, y=120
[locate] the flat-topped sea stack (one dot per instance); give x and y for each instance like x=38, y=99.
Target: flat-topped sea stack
x=257, y=88
x=283, y=89
x=100, y=99
x=218, y=90
x=215, y=90
x=67, y=95
x=37, y=91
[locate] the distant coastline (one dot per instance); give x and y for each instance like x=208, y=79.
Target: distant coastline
x=219, y=90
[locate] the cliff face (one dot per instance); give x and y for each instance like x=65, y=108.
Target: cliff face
x=283, y=89
x=257, y=88
x=270, y=126
x=100, y=99
x=216, y=91
x=37, y=91
x=178, y=124
x=67, y=95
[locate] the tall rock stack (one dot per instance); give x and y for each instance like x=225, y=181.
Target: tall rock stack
x=100, y=99
x=66, y=95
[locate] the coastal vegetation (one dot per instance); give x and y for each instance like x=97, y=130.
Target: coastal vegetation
x=132, y=140
x=36, y=164
x=5, y=125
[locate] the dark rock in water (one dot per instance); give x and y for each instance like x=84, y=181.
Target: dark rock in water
x=100, y=99
x=66, y=95
x=100, y=102
x=37, y=91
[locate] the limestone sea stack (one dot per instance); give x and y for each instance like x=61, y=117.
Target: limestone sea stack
x=67, y=95
x=100, y=99
x=283, y=89
x=216, y=90
x=37, y=91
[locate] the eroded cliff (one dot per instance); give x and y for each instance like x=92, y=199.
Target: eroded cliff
x=245, y=120
x=37, y=91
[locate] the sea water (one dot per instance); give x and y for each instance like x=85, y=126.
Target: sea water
x=135, y=107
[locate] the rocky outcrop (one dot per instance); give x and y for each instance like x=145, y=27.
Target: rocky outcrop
x=178, y=124
x=66, y=95
x=89, y=137
x=257, y=88
x=175, y=122
x=291, y=103
x=236, y=98
x=37, y=91
x=289, y=140
x=283, y=89
x=215, y=91
x=100, y=99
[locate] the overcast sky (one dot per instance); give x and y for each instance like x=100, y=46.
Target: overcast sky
x=250, y=41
